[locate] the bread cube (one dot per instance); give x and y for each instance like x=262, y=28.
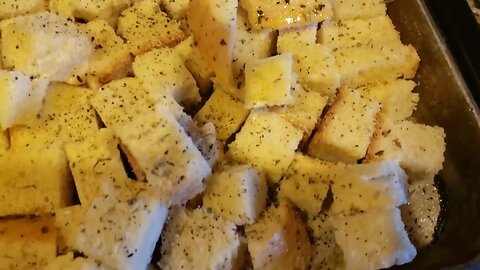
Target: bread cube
x=418, y=147
x=305, y=112
x=177, y=9
x=27, y=243
x=421, y=213
x=205, y=139
x=68, y=261
x=66, y=116
x=67, y=221
x=146, y=27
x=225, y=112
x=306, y=183
x=44, y=45
x=14, y=8
x=197, y=240
x=373, y=240
x=350, y=33
x=297, y=37
x=163, y=72
x=92, y=161
x=34, y=182
x=121, y=226
x=237, y=193
x=326, y=254
x=358, y=9
x=367, y=64
x=278, y=240
x=267, y=141
x=345, y=133
x=89, y=10
x=369, y=186
x=166, y=154
x=21, y=98
x=268, y=82
x=271, y=15
x=214, y=27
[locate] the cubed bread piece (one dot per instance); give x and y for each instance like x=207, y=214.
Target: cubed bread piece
x=297, y=37
x=268, y=82
x=306, y=183
x=162, y=72
x=398, y=100
x=276, y=15
x=250, y=44
x=166, y=155
x=13, y=8
x=67, y=222
x=121, y=226
x=267, y=141
x=358, y=9
x=418, y=147
x=421, y=213
x=350, y=33
x=21, y=98
x=90, y=10
x=44, y=45
x=205, y=139
x=34, y=181
x=177, y=9
x=237, y=193
x=326, y=254
x=373, y=240
x=345, y=133
x=368, y=186
x=27, y=243
x=69, y=262
x=366, y=64
x=146, y=27
x=197, y=240
x=66, y=116
x=225, y=112
x=315, y=66
x=110, y=59
x=305, y=112
x=278, y=240
x=214, y=27
x=92, y=161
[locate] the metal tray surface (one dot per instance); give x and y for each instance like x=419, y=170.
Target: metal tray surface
x=446, y=101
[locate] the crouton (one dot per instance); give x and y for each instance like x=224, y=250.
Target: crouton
x=34, y=182
x=27, y=243
x=350, y=33
x=272, y=15
x=14, y=8
x=176, y=9
x=197, y=240
x=278, y=240
x=226, y=113
x=21, y=98
x=373, y=240
x=297, y=37
x=146, y=27
x=418, y=147
x=306, y=183
x=205, y=139
x=214, y=27
x=268, y=82
x=345, y=133
x=267, y=141
x=166, y=154
x=358, y=9
x=237, y=193
x=66, y=116
x=92, y=161
x=326, y=254
x=163, y=72
x=368, y=186
x=44, y=45
x=68, y=261
x=121, y=226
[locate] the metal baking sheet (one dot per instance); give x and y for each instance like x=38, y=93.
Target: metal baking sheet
x=445, y=100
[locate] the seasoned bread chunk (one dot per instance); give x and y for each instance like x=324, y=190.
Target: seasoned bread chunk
x=13, y=8
x=297, y=37
x=267, y=141
x=34, y=182
x=358, y=9
x=197, y=240
x=44, y=45
x=237, y=193
x=278, y=240
x=345, y=133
